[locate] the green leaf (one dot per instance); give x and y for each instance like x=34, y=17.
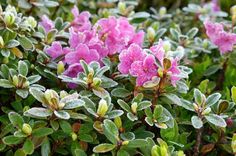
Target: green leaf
x=20, y=152
x=42, y=132
x=122, y=152
x=124, y=105
x=110, y=131
x=45, y=148
x=101, y=92
x=62, y=114
x=28, y=146
x=143, y=105
x=22, y=93
x=6, y=84
x=37, y=94
x=137, y=143
x=211, y=70
x=120, y=92
x=12, y=140
x=80, y=152
x=172, y=98
x=196, y=122
x=199, y=97
x=114, y=113
x=26, y=43
x=233, y=143
x=233, y=94
x=175, y=34
x=33, y=79
x=65, y=126
x=38, y=112
x=216, y=120
x=192, y=32
x=74, y=104
x=12, y=43
x=51, y=4
x=212, y=99
x=103, y=148
x=187, y=105
x=131, y=116
x=16, y=119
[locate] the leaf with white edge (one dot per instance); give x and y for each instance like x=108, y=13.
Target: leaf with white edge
x=187, y=105
x=101, y=92
x=108, y=83
x=127, y=136
x=28, y=146
x=22, y=68
x=74, y=104
x=149, y=121
x=198, y=96
x=120, y=92
x=110, y=131
x=37, y=94
x=12, y=140
x=212, y=99
x=62, y=114
x=65, y=126
x=172, y=98
x=103, y=148
x=143, y=105
x=16, y=119
x=6, y=83
x=192, y=32
x=38, y=112
x=33, y=79
x=22, y=93
x=114, y=113
x=196, y=122
x=216, y=120
x=89, y=103
x=45, y=147
x=124, y=105
x=132, y=117
x=69, y=98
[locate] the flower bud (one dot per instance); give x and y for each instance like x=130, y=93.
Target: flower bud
x=52, y=98
x=15, y=80
x=151, y=34
x=1, y=42
x=61, y=105
x=206, y=111
x=162, y=11
x=122, y=7
x=134, y=107
x=26, y=129
x=97, y=81
x=5, y=60
x=9, y=18
x=126, y=142
x=180, y=153
x=30, y=21
x=233, y=10
x=74, y=136
x=118, y=122
x=155, y=25
x=26, y=108
x=166, y=46
x=160, y=72
x=205, y=44
x=63, y=94
x=26, y=84
x=195, y=106
x=154, y=151
x=60, y=67
x=102, y=108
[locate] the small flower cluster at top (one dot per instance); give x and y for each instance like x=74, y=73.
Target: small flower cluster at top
x=224, y=40
x=144, y=66
x=108, y=36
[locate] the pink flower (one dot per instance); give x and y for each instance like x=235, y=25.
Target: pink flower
x=127, y=57
x=174, y=72
x=222, y=39
x=225, y=42
x=144, y=70
x=81, y=20
x=56, y=50
x=159, y=51
x=117, y=34
x=72, y=71
x=81, y=52
x=215, y=6
x=46, y=23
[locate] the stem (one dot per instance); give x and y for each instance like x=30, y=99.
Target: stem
x=198, y=142
x=222, y=75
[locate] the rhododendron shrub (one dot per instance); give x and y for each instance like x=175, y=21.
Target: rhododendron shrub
x=117, y=78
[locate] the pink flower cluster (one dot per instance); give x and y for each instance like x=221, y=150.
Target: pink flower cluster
x=92, y=43
x=222, y=39
x=46, y=23
x=142, y=65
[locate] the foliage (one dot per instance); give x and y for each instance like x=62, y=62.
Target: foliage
x=106, y=77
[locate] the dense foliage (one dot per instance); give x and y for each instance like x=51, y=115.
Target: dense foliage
x=104, y=78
